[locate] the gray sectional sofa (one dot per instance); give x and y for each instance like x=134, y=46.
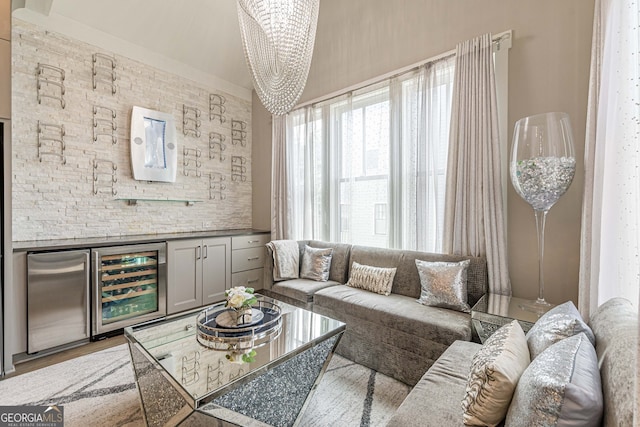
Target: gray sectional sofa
x=392, y=334
x=436, y=399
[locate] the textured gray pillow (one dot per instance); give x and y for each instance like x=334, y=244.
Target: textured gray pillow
x=495, y=371
x=561, y=387
x=316, y=263
x=560, y=322
x=444, y=284
x=374, y=279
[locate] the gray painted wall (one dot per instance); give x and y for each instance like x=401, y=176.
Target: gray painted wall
x=548, y=71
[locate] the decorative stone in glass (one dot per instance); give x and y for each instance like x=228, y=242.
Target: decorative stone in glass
x=542, y=167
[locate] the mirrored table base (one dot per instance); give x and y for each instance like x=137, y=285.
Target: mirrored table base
x=274, y=397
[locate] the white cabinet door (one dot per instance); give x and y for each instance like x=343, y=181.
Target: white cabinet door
x=184, y=275
x=216, y=269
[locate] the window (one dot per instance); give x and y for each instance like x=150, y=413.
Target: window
x=369, y=167
x=380, y=218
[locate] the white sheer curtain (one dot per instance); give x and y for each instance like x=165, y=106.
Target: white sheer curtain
x=420, y=142
x=609, y=264
x=369, y=167
x=474, y=223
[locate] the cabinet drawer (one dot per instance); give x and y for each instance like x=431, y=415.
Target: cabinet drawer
x=250, y=241
x=249, y=279
x=247, y=259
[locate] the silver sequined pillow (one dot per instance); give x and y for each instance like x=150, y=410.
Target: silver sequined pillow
x=560, y=322
x=561, y=387
x=316, y=264
x=495, y=371
x=444, y=284
x=374, y=279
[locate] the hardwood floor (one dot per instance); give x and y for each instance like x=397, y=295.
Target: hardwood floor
x=72, y=353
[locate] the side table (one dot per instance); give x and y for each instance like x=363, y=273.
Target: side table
x=493, y=311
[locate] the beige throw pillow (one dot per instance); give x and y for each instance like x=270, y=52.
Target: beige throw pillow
x=374, y=279
x=495, y=371
x=444, y=284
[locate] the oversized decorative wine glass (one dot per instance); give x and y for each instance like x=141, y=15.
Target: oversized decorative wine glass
x=542, y=167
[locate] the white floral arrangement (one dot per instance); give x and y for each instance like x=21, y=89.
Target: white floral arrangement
x=240, y=297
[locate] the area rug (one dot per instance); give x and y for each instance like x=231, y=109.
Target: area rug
x=98, y=389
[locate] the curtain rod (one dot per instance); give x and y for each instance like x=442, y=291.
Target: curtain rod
x=498, y=39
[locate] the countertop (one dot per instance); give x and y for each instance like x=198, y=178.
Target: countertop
x=94, y=242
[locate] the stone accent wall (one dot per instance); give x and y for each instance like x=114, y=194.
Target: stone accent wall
x=52, y=200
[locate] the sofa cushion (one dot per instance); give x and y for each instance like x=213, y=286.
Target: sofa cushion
x=435, y=400
x=397, y=312
x=560, y=322
x=316, y=263
x=444, y=284
x=561, y=387
x=615, y=325
x=374, y=279
x=407, y=282
x=301, y=289
x=495, y=372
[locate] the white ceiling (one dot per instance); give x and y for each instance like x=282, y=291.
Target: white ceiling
x=202, y=34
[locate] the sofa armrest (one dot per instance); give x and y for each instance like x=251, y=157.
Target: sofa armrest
x=267, y=281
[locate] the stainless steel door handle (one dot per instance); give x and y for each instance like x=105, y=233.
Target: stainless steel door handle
x=253, y=241
x=198, y=252
x=206, y=251
x=253, y=258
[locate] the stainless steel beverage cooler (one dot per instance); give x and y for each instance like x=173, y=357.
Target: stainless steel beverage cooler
x=129, y=285
x=57, y=299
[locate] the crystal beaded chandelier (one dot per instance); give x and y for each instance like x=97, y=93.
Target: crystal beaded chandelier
x=278, y=38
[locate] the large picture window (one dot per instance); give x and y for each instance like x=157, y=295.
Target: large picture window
x=369, y=167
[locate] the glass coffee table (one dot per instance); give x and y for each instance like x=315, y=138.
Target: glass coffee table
x=492, y=311
x=189, y=371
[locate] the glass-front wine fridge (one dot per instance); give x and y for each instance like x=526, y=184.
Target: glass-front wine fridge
x=129, y=285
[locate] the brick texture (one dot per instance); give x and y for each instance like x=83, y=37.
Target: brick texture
x=52, y=200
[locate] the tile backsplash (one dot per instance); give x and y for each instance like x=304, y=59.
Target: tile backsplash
x=53, y=199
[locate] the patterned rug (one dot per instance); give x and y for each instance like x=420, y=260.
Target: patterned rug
x=99, y=390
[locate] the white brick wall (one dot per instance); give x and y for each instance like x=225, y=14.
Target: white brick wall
x=52, y=200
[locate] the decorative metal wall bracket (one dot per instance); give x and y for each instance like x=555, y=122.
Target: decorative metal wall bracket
x=239, y=132
x=104, y=176
x=191, y=161
x=51, y=141
x=217, y=186
x=104, y=71
x=104, y=123
x=238, y=169
x=50, y=82
x=217, y=108
x=217, y=146
x=190, y=121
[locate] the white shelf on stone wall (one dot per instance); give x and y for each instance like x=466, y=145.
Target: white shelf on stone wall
x=132, y=201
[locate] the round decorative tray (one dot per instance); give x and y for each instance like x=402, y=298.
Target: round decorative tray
x=226, y=320
x=218, y=336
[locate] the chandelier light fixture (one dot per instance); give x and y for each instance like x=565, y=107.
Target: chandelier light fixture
x=278, y=38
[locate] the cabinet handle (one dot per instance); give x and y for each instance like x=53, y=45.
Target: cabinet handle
x=251, y=281
x=253, y=241
x=198, y=252
x=206, y=251
x=253, y=258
